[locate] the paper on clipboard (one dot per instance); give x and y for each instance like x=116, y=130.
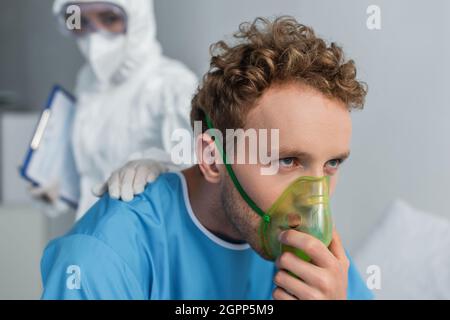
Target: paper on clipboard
x=50, y=157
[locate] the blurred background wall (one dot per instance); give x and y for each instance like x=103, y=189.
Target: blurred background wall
x=400, y=146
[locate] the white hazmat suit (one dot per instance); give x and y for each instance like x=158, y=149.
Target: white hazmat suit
x=130, y=98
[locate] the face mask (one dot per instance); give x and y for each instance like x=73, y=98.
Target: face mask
x=303, y=206
x=104, y=53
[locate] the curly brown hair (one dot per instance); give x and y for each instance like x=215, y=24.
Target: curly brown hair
x=268, y=53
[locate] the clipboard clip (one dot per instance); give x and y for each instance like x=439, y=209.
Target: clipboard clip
x=42, y=125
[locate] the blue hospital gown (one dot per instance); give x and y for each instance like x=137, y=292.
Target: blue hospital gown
x=155, y=248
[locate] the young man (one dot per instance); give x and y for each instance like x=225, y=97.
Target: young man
x=191, y=235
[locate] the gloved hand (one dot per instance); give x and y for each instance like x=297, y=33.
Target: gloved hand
x=131, y=179
x=49, y=194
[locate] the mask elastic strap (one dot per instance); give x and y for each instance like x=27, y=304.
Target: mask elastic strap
x=244, y=195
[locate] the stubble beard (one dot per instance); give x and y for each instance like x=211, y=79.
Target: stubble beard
x=244, y=220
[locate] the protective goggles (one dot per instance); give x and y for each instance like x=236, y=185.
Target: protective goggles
x=303, y=206
x=79, y=19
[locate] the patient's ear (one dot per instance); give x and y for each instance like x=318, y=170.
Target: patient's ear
x=208, y=157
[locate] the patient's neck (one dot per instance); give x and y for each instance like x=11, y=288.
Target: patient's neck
x=205, y=202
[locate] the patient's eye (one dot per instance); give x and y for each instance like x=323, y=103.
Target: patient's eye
x=333, y=165
x=288, y=162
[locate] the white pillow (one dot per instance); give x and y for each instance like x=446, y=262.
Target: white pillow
x=412, y=250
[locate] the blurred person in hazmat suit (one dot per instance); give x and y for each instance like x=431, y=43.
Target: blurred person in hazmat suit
x=130, y=98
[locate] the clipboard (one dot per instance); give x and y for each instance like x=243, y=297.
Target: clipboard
x=50, y=156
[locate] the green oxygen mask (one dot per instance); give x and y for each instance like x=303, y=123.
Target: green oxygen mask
x=303, y=206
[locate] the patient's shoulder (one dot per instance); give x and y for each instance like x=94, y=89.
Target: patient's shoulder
x=122, y=231
x=129, y=228
x=113, y=218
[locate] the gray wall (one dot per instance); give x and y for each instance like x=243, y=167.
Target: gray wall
x=33, y=54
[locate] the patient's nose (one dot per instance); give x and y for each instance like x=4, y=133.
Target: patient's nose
x=315, y=171
x=293, y=220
